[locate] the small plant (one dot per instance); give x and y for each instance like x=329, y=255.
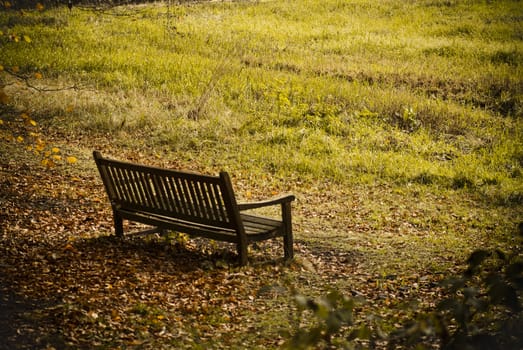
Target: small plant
x=482, y=309
x=335, y=325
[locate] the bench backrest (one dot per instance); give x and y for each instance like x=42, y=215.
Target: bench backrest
x=203, y=199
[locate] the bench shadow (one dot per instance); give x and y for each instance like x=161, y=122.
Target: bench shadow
x=18, y=329
x=35, y=293
x=155, y=253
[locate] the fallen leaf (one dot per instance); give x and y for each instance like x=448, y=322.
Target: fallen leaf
x=71, y=160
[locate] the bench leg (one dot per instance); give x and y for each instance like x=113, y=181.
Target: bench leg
x=288, y=243
x=288, y=250
x=118, y=224
x=242, y=252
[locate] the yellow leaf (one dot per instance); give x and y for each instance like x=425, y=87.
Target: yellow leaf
x=1, y=122
x=1, y=67
x=55, y=150
x=39, y=147
x=44, y=161
x=57, y=157
x=38, y=76
x=29, y=148
x=20, y=139
x=15, y=69
x=7, y=4
x=39, y=6
x=71, y=160
x=27, y=39
x=69, y=109
x=24, y=116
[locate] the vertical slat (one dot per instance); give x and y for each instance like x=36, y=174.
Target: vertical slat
x=174, y=195
x=189, y=197
x=208, y=199
x=110, y=180
x=158, y=192
x=166, y=193
x=133, y=185
x=220, y=214
x=107, y=180
x=194, y=199
x=144, y=181
x=182, y=193
x=140, y=192
x=219, y=202
x=198, y=186
x=117, y=182
x=128, y=186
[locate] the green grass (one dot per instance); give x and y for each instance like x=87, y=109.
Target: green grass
x=316, y=80
x=397, y=123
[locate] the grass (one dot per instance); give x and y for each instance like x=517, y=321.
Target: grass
x=398, y=124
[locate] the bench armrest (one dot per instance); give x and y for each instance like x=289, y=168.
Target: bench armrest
x=264, y=203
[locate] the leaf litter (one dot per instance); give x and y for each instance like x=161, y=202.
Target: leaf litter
x=67, y=282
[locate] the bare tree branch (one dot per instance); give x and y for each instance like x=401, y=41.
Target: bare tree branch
x=27, y=81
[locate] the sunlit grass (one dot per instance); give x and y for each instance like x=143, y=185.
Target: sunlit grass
x=425, y=92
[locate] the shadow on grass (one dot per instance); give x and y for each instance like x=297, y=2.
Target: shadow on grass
x=46, y=286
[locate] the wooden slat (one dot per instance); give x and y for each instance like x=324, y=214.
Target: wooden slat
x=174, y=192
x=211, y=202
x=219, y=202
x=184, y=196
x=159, y=192
x=139, y=188
x=119, y=183
x=165, y=193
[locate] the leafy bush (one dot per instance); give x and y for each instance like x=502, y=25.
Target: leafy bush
x=334, y=314
x=481, y=310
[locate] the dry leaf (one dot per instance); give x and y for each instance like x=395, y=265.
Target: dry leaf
x=71, y=160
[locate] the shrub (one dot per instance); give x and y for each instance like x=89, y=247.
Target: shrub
x=481, y=310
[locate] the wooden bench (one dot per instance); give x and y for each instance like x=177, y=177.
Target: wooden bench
x=195, y=204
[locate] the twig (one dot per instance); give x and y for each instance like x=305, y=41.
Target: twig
x=27, y=82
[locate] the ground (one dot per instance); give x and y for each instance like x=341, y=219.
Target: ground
x=66, y=281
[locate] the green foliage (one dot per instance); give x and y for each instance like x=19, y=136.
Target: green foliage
x=333, y=315
x=482, y=309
